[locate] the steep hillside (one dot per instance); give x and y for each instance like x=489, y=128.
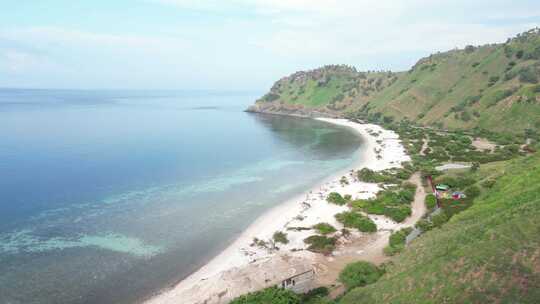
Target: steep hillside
x=489, y=253
x=493, y=87
x=324, y=91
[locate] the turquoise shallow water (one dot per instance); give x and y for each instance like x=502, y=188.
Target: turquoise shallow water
x=108, y=196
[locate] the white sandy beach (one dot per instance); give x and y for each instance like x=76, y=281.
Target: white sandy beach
x=244, y=267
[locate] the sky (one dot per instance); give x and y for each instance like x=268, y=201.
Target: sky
x=234, y=44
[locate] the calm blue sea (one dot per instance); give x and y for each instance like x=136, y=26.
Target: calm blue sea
x=109, y=196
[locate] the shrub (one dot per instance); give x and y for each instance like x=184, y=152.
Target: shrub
x=527, y=75
x=368, y=176
x=360, y=274
x=324, y=228
x=356, y=220
x=270, y=97
x=465, y=116
x=315, y=296
x=336, y=198
x=397, y=241
x=272, y=295
x=472, y=192
x=424, y=225
x=488, y=183
x=321, y=244
x=393, y=250
x=431, y=201
x=494, y=79
x=280, y=237
x=399, y=213
x=439, y=219
x=399, y=237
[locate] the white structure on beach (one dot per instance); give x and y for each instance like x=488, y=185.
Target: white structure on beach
x=300, y=283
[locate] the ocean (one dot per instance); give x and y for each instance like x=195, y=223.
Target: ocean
x=110, y=196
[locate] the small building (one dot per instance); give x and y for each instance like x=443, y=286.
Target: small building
x=300, y=283
x=442, y=187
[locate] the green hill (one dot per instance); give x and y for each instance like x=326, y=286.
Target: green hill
x=493, y=87
x=489, y=250
x=328, y=91
x=489, y=253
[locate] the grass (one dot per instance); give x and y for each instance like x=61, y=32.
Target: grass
x=487, y=253
x=324, y=228
x=356, y=220
x=393, y=202
x=360, y=274
x=397, y=241
x=321, y=244
x=336, y=198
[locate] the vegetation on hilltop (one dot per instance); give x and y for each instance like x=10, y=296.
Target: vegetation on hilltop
x=328, y=90
x=492, y=87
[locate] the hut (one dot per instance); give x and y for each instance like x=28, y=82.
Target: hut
x=301, y=282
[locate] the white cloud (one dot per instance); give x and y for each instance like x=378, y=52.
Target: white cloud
x=259, y=40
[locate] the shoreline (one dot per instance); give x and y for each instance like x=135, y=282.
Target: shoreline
x=239, y=267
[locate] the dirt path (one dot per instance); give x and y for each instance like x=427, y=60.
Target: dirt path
x=425, y=145
x=418, y=206
x=368, y=248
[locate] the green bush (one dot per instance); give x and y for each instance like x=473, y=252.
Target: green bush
x=398, y=238
x=439, y=219
x=369, y=176
x=472, y=192
x=324, y=228
x=431, y=201
x=424, y=225
x=393, y=250
x=355, y=220
x=527, y=75
x=359, y=274
x=321, y=244
x=397, y=241
x=488, y=183
x=272, y=295
x=398, y=213
x=336, y=198
x=270, y=97
x=280, y=237
x=316, y=296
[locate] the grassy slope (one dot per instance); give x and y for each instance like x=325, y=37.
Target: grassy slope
x=489, y=253
x=454, y=89
x=335, y=87
x=428, y=92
